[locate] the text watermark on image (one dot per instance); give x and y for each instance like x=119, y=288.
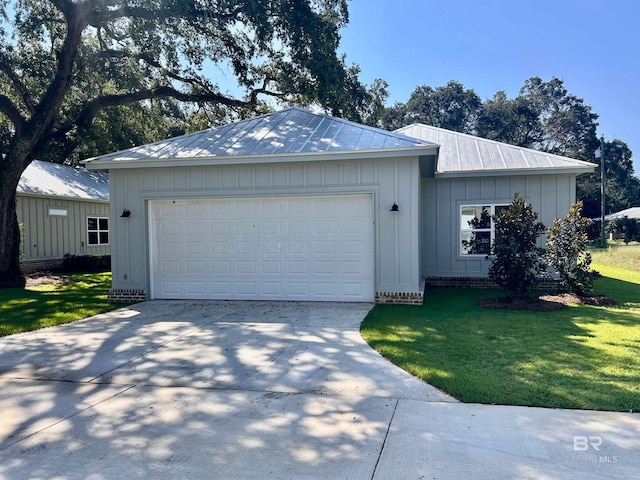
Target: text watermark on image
x=587, y=449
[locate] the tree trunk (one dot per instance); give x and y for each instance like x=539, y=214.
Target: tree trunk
x=10, y=274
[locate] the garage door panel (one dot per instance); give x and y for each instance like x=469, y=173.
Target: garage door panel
x=287, y=248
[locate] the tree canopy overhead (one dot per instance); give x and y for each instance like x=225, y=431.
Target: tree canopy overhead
x=63, y=63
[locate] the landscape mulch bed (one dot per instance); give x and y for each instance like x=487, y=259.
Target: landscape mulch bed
x=45, y=278
x=544, y=303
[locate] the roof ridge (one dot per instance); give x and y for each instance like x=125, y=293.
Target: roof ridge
x=488, y=140
x=362, y=126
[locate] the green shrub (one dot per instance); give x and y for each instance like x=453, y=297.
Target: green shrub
x=86, y=263
x=517, y=261
x=567, y=251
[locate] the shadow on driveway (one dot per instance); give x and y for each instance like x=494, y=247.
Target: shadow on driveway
x=266, y=390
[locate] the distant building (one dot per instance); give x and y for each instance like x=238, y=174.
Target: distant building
x=61, y=210
x=633, y=212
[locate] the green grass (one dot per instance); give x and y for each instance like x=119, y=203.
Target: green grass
x=582, y=357
x=31, y=308
x=619, y=255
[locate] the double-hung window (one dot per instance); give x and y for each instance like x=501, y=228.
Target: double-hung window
x=97, y=230
x=477, y=230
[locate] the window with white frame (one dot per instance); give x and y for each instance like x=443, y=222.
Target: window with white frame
x=97, y=231
x=57, y=212
x=477, y=230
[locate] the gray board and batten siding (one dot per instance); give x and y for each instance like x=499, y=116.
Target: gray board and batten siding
x=292, y=153
x=53, y=203
x=476, y=171
x=388, y=181
x=550, y=195
x=429, y=173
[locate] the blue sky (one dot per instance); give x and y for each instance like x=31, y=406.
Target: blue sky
x=492, y=45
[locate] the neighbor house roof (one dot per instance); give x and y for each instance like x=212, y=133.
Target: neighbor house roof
x=288, y=135
x=633, y=212
x=468, y=155
x=55, y=180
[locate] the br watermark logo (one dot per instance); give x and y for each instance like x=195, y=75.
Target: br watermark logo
x=583, y=443
x=589, y=449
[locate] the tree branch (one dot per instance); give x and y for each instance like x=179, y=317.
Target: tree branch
x=47, y=109
x=5, y=66
x=154, y=63
x=98, y=15
x=91, y=109
x=13, y=114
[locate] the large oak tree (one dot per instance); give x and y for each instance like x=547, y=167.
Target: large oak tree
x=63, y=63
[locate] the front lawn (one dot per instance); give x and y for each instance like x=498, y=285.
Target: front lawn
x=581, y=357
x=41, y=306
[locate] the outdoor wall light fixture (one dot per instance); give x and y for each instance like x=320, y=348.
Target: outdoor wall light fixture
x=125, y=213
x=394, y=208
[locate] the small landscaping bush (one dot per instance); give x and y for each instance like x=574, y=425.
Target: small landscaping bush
x=517, y=261
x=86, y=263
x=567, y=251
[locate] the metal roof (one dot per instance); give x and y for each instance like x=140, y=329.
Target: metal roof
x=467, y=154
x=633, y=212
x=52, y=179
x=294, y=131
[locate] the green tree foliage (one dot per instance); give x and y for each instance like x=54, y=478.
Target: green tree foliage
x=622, y=187
x=544, y=116
x=452, y=107
x=516, y=260
x=69, y=69
x=567, y=251
x=357, y=102
x=627, y=227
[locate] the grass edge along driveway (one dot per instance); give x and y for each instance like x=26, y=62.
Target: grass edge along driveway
x=85, y=294
x=585, y=357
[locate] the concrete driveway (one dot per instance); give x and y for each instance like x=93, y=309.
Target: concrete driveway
x=267, y=390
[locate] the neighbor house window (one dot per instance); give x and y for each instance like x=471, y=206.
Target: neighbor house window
x=97, y=230
x=57, y=212
x=477, y=229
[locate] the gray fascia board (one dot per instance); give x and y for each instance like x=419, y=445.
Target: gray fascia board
x=262, y=159
x=61, y=197
x=516, y=172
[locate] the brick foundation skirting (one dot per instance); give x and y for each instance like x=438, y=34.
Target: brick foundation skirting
x=484, y=282
x=402, y=298
x=119, y=295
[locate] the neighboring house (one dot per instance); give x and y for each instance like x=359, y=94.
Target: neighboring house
x=299, y=206
x=61, y=210
x=633, y=212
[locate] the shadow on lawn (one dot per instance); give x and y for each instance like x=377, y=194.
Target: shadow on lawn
x=582, y=357
x=45, y=305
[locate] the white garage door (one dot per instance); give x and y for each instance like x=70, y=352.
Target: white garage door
x=267, y=248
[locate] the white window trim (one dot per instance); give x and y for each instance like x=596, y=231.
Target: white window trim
x=58, y=211
x=491, y=229
x=98, y=230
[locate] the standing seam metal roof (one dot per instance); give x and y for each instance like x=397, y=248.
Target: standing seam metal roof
x=52, y=179
x=633, y=212
x=460, y=153
x=290, y=131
